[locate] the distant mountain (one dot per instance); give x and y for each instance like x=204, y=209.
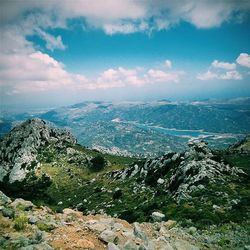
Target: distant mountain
x=152, y=128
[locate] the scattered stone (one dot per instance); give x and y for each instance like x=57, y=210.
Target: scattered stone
x=129, y=245
x=138, y=232
x=98, y=227
x=108, y=236
x=216, y=207
x=112, y=246
x=33, y=220
x=192, y=230
x=157, y=217
x=160, y=181
x=118, y=226
x=22, y=204
x=170, y=224
x=4, y=199
x=7, y=212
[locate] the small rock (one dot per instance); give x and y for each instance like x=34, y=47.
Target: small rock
x=33, y=220
x=108, y=236
x=175, y=157
x=22, y=204
x=7, y=212
x=129, y=246
x=80, y=206
x=112, y=246
x=69, y=211
x=138, y=232
x=170, y=224
x=97, y=227
x=192, y=230
x=118, y=226
x=216, y=207
x=157, y=217
x=4, y=199
x=160, y=181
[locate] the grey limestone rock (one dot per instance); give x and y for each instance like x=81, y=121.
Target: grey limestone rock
x=19, y=148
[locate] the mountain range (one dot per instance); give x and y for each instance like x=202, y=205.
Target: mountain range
x=147, y=128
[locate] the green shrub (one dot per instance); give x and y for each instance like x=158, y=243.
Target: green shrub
x=20, y=222
x=45, y=227
x=98, y=163
x=117, y=194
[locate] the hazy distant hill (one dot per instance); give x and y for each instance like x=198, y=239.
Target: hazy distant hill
x=153, y=127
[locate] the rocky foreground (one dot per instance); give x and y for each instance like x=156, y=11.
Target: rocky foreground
x=25, y=226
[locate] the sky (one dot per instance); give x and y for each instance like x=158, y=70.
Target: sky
x=55, y=53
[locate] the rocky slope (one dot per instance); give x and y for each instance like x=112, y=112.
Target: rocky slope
x=242, y=147
x=25, y=226
x=183, y=173
x=206, y=194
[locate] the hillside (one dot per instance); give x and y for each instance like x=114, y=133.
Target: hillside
x=205, y=192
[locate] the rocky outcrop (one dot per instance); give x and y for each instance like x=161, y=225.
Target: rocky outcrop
x=242, y=147
x=31, y=227
x=182, y=173
x=19, y=148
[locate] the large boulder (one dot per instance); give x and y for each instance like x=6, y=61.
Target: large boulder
x=19, y=149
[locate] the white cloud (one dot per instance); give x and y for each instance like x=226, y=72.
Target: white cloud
x=224, y=70
x=168, y=64
x=127, y=16
x=52, y=42
x=24, y=70
x=244, y=60
x=223, y=65
x=155, y=75
x=231, y=75
x=207, y=76
x=121, y=77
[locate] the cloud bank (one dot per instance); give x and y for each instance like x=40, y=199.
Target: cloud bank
x=128, y=16
x=225, y=70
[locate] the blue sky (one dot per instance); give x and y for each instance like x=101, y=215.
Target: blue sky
x=57, y=54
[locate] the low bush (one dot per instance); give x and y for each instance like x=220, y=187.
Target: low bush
x=98, y=163
x=20, y=222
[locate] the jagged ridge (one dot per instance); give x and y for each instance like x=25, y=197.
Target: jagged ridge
x=19, y=148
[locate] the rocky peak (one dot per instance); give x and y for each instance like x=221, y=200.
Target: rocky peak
x=18, y=149
x=182, y=173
